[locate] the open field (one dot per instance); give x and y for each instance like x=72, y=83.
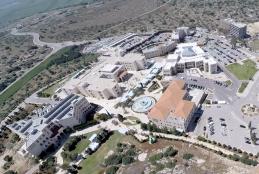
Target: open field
x=245, y=71
x=202, y=162
x=83, y=22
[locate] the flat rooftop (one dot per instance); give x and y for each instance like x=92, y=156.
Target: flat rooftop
x=32, y=128
x=109, y=68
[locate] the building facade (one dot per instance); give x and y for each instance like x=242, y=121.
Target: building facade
x=186, y=56
x=132, y=62
x=44, y=129
x=116, y=72
x=158, y=49
x=104, y=89
x=236, y=29
x=172, y=109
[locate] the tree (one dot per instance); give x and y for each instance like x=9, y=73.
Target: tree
x=187, y=156
x=233, y=42
x=120, y=118
x=127, y=160
x=170, y=151
x=113, y=160
x=8, y=158
x=10, y=172
x=112, y=170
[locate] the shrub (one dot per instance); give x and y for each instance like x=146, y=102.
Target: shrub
x=200, y=138
x=8, y=158
x=112, y=170
x=113, y=160
x=127, y=160
x=159, y=167
x=170, y=151
x=156, y=157
x=71, y=144
x=170, y=165
x=187, y=156
x=120, y=118
x=10, y=172
x=244, y=159
x=130, y=152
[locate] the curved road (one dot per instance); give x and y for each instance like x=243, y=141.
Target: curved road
x=36, y=40
x=54, y=46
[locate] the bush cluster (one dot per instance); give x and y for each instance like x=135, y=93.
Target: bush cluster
x=153, y=128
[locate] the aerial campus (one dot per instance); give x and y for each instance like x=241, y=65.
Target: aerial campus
x=190, y=85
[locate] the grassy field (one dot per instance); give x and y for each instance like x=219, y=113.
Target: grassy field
x=242, y=87
x=93, y=162
x=245, y=71
x=81, y=145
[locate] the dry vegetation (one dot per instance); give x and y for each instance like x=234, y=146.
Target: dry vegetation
x=82, y=22
x=17, y=55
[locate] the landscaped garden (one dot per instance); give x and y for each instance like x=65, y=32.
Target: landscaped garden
x=242, y=87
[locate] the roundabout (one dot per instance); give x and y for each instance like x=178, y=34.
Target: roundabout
x=143, y=104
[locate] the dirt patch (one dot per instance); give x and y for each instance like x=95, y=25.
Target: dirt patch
x=203, y=161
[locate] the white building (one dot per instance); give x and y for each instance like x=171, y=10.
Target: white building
x=186, y=56
x=45, y=128
x=100, y=88
x=132, y=61
x=236, y=29
x=160, y=49
x=181, y=33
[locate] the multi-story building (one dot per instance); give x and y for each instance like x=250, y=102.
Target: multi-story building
x=159, y=49
x=173, y=110
x=116, y=72
x=132, y=61
x=189, y=55
x=46, y=126
x=181, y=33
x=236, y=29
x=100, y=88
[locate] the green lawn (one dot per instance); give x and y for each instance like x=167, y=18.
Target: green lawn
x=81, y=145
x=245, y=71
x=242, y=87
x=93, y=163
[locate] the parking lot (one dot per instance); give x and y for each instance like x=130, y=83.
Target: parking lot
x=223, y=52
x=220, y=124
